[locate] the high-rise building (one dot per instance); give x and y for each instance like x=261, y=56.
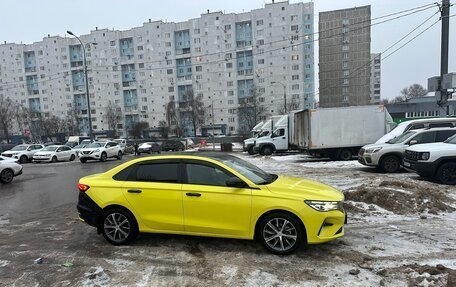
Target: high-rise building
x=344, y=57
x=219, y=58
x=375, y=78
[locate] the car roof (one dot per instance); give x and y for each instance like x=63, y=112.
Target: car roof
x=432, y=129
x=429, y=120
x=191, y=154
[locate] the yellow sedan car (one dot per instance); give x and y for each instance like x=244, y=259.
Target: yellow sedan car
x=210, y=194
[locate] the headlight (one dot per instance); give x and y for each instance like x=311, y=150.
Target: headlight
x=324, y=206
x=374, y=150
x=424, y=155
x=97, y=150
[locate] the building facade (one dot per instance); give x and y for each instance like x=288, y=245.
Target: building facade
x=421, y=107
x=220, y=58
x=375, y=80
x=344, y=57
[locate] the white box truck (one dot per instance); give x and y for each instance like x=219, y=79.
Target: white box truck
x=262, y=129
x=337, y=133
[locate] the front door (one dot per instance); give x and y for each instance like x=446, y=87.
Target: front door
x=210, y=207
x=156, y=196
x=280, y=139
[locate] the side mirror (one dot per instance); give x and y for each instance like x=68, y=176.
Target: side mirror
x=235, y=182
x=412, y=142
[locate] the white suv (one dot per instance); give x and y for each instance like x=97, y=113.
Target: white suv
x=388, y=156
x=24, y=152
x=435, y=160
x=100, y=151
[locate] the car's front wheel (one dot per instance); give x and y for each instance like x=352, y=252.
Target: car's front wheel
x=119, y=227
x=390, y=163
x=23, y=159
x=6, y=176
x=103, y=157
x=72, y=157
x=280, y=233
x=54, y=159
x=119, y=155
x=447, y=173
x=83, y=160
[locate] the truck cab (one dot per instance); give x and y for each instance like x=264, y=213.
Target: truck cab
x=263, y=131
x=275, y=141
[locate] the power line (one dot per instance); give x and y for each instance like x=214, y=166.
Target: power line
x=414, y=10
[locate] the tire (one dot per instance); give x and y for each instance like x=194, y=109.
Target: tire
x=266, y=150
x=446, y=173
x=6, y=176
x=83, y=160
x=54, y=159
x=275, y=238
x=390, y=163
x=103, y=157
x=23, y=159
x=345, y=154
x=119, y=155
x=251, y=151
x=72, y=157
x=118, y=226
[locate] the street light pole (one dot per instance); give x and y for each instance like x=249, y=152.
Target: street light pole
x=86, y=83
x=213, y=132
x=284, y=94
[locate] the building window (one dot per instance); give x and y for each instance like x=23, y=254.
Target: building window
x=294, y=27
x=294, y=17
x=294, y=77
x=259, y=22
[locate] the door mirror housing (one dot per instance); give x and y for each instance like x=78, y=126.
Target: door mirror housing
x=235, y=182
x=413, y=142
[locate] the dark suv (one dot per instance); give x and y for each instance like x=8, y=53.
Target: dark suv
x=172, y=145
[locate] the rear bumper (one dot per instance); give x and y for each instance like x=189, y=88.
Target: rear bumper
x=88, y=210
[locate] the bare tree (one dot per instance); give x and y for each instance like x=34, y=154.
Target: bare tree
x=384, y=102
x=414, y=91
x=171, y=119
x=138, y=129
x=72, y=121
x=113, y=116
x=251, y=110
x=192, y=111
x=6, y=117
x=292, y=105
x=164, y=129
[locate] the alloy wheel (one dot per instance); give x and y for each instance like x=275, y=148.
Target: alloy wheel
x=117, y=227
x=6, y=176
x=280, y=234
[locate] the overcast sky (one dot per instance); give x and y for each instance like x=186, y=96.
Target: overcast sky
x=29, y=21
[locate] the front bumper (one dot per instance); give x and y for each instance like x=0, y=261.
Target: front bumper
x=95, y=156
x=88, y=210
x=368, y=159
x=425, y=169
x=325, y=226
x=42, y=159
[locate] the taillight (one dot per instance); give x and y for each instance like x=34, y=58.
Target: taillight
x=83, y=187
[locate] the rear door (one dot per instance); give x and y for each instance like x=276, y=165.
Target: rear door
x=154, y=192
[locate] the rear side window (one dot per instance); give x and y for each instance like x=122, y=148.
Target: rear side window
x=125, y=174
x=158, y=172
x=444, y=135
x=441, y=125
x=426, y=137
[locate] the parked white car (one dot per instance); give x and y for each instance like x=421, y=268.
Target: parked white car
x=122, y=143
x=100, y=151
x=24, y=152
x=8, y=170
x=54, y=153
x=435, y=160
x=8, y=159
x=388, y=156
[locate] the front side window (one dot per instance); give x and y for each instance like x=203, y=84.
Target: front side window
x=206, y=175
x=279, y=133
x=158, y=172
x=444, y=135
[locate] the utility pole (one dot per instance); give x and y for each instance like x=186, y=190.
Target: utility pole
x=213, y=132
x=445, y=13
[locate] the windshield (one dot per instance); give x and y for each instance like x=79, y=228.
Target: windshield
x=19, y=147
x=95, y=145
x=263, y=134
x=50, y=148
x=253, y=173
x=146, y=144
x=401, y=138
x=451, y=140
x=79, y=146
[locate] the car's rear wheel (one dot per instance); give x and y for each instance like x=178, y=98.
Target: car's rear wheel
x=119, y=227
x=6, y=176
x=345, y=154
x=23, y=159
x=447, y=173
x=280, y=233
x=119, y=155
x=390, y=163
x=72, y=157
x=103, y=156
x=54, y=159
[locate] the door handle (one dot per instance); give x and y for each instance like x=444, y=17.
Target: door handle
x=283, y=138
x=193, y=194
x=134, y=190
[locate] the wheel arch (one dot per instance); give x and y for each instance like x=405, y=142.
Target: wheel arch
x=290, y=213
x=111, y=207
x=396, y=154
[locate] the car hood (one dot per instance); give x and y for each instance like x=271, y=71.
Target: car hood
x=433, y=147
x=12, y=152
x=377, y=145
x=304, y=189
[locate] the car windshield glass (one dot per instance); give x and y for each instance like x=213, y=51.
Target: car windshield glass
x=451, y=140
x=145, y=144
x=401, y=138
x=19, y=147
x=50, y=148
x=95, y=145
x=78, y=146
x=252, y=172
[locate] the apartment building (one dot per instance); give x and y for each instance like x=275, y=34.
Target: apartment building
x=218, y=57
x=375, y=81
x=344, y=57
